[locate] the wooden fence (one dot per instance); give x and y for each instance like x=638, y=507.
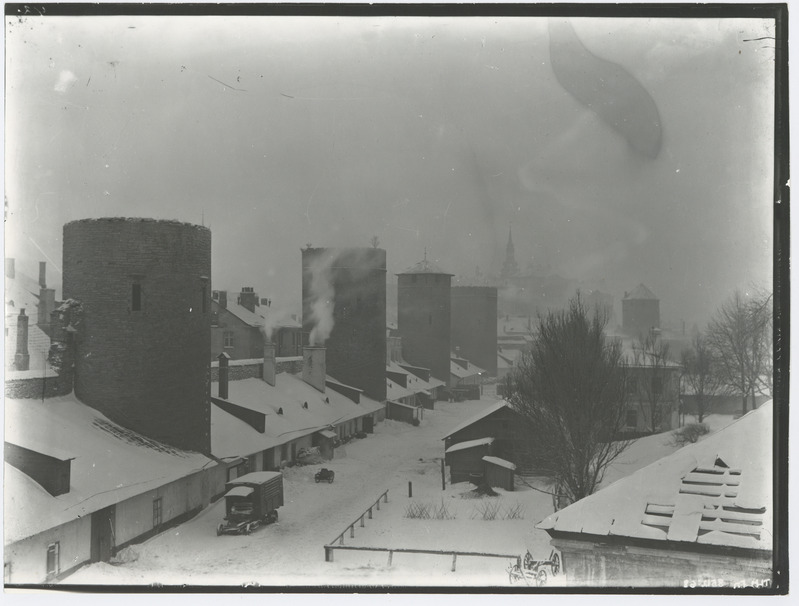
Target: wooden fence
x=338, y=542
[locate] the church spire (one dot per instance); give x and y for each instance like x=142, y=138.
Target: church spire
x=510, y=268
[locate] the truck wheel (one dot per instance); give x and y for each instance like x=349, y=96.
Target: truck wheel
x=247, y=529
x=219, y=530
x=330, y=479
x=316, y=480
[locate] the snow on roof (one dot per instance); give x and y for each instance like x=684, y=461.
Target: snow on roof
x=484, y=413
x=500, y=462
x=715, y=492
x=256, y=477
x=109, y=463
x=469, y=444
x=232, y=437
x=245, y=315
x=641, y=292
x=240, y=491
x=461, y=372
x=414, y=383
x=395, y=391
x=425, y=267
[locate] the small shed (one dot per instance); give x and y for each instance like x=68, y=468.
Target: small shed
x=402, y=412
x=465, y=459
x=499, y=472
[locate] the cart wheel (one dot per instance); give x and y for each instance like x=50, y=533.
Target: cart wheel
x=528, y=561
x=247, y=529
x=219, y=530
x=330, y=479
x=541, y=578
x=555, y=564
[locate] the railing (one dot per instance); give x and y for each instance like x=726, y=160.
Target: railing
x=391, y=550
x=367, y=514
x=340, y=538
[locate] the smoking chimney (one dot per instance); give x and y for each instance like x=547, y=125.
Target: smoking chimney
x=42, y=274
x=314, y=369
x=9, y=267
x=22, y=359
x=223, y=375
x=269, y=363
x=248, y=299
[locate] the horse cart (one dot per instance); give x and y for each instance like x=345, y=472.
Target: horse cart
x=535, y=570
x=250, y=501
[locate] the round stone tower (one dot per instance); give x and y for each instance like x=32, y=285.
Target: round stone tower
x=423, y=317
x=141, y=347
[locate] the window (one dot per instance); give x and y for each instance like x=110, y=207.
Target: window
x=657, y=386
x=632, y=419
x=135, y=296
x=228, y=338
x=53, y=563
x=157, y=512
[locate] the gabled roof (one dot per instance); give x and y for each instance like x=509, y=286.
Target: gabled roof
x=461, y=372
x=109, y=463
x=715, y=492
x=245, y=315
x=469, y=444
x=425, y=267
x=233, y=437
x=500, y=404
x=413, y=382
x=641, y=292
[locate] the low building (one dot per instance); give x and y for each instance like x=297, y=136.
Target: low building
x=237, y=330
x=499, y=473
x=269, y=417
x=465, y=460
x=500, y=422
x=703, y=514
x=83, y=487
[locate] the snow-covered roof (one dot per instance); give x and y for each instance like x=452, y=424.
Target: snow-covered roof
x=641, y=292
x=245, y=315
x=500, y=462
x=109, y=463
x=413, y=382
x=395, y=391
x=256, y=477
x=469, y=444
x=482, y=414
x=461, y=372
x=425, y=267
x=715, y=492
x=233, y=437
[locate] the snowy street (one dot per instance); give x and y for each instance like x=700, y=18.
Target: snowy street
x=291, y=551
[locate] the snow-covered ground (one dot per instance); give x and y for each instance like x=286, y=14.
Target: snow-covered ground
x=291, y=552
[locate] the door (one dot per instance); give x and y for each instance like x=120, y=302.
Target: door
x=369, y=424
x=103, y=532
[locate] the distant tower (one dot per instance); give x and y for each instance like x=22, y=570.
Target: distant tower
x=474, y=325
x=142, y=342
x=354, y=280
x=423, y=317
x=640, y=311
x=509, y=268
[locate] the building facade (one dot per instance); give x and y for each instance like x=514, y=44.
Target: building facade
x=474, y=325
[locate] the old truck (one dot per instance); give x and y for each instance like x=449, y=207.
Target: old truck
x=251, y=500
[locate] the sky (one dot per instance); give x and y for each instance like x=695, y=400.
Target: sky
x=619, y=151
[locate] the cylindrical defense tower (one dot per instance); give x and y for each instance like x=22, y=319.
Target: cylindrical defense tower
x=474, y=325
x=143, y=340
x=344, y=310
x=423, y=317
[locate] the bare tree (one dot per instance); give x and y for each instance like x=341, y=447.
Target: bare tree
x=569, y=390
x=701, y=373
x=374, y=241
x=651, y=356
x=740, y=336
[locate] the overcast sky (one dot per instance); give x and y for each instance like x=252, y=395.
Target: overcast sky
x=437, y=133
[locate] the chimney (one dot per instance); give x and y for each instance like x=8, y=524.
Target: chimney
x=314, y=367
x=22, y=359
x=269, y=363
x=10, y=267
x=42, y=274
x=247, y=298
x=223, y=375
x=222, y=298
x=46, y=308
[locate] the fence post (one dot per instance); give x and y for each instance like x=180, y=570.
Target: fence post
x=378, y=504
x=328, y=553
x=454, y=559
x=410, y=489
x=385, y=497
x=341, y=539
x=390, y=557
x=370, y=513
x=443, y=476
x=352, y=531
x=362, y=524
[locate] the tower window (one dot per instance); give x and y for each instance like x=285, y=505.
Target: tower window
x=135, y=302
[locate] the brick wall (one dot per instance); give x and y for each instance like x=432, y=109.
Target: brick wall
x=22, y=389
x=142, y=348
x=248, y=369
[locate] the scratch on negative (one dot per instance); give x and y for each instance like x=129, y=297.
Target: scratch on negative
x=227, y=85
